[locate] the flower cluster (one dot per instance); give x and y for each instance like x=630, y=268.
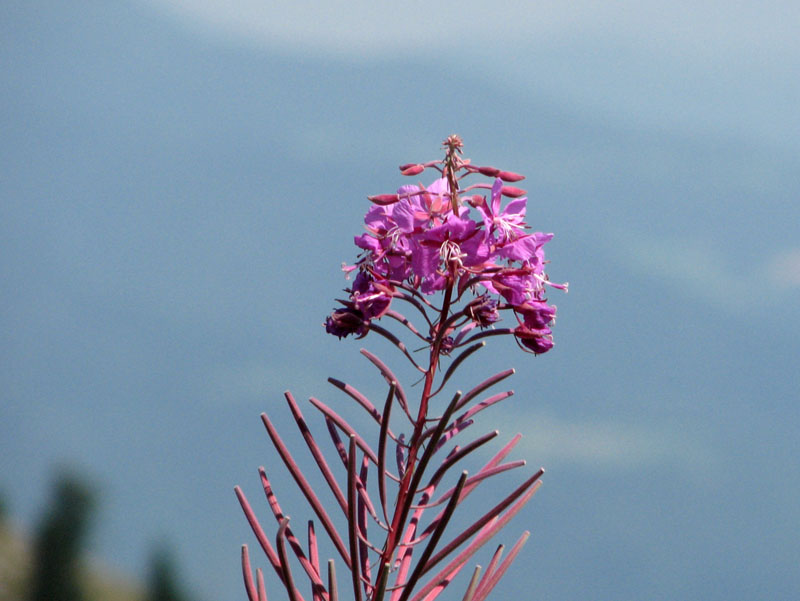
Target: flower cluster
x=432, y=239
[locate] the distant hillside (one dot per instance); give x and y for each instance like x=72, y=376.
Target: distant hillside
x=15, y=566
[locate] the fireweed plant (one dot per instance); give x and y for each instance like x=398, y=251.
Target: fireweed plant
x=458, y=258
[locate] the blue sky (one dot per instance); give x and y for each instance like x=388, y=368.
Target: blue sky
x=182, y=180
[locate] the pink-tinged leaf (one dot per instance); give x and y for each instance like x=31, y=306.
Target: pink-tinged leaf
x=337, y=441
x=472, y=484
x=359, y=487
x=390, y=377
x=530, y=485
x=383, y=439
x=272, y=556
x=484, y=474
x=456, y=362
x=512, y=192
x=422, y=464
x=374, y=327
x=272, y=500
x=313, y=548
x=488, y=334
x=247, y=573
x=436, y=585
x=362, y=400
x=510, y=176
x=435, y=537
x=406, y=545
x=418, y=303
x=464, y=420
x=280, y=543
x=333, y=589
x=400, y=456
x=363, y=499
x=437, y=590
x=485, y=534
x=491, y=567
x=352, y=524
x=380, y=586
x=405, y=555
x=345, y=427
x=262, y=590
x=487, y=383
x=305, y=488
x=316, y=451
x=454, y=429
x=503, y=453
x=459, y=453
x=413, y=486
x=485, y=589
x=473, y=584
x=403, y=319
x=313, y=557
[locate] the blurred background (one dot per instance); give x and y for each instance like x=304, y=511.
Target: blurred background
x=180, y=181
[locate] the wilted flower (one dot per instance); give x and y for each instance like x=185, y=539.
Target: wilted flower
x=483, y=311
x=346, y=321
x=537, y=340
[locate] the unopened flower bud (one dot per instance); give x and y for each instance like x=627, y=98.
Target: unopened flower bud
x=475, y=201
x=447, y=346
x=413, y=170
x=489, y=171
x=510, y=176
x=512, y=192
x=384, y=199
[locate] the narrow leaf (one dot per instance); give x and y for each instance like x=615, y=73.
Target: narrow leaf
x=316, y=452
x=437, y=534
x=306, y=489
x=332, y=587
x=473, y=583
x=380, y=586
x=272, y=556
x=351, y=518
x=272, y=500
x=247, y=573
x=382, y=442
x=390, y=377
x=362, y=400
x=456, y=362
x=485, y=589
x=262, y=590
x=530, y=485
x=396, y=342
x=280, y=543
x=491, y=567
x=487, y=383
x=459, y=454
x=345, y=427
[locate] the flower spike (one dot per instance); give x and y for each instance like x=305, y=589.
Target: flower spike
x=458, y=250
